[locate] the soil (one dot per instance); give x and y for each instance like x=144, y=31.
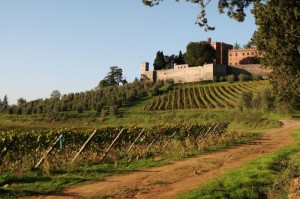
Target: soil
x=180, y=176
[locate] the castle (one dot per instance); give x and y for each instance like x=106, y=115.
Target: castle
x=224, y=55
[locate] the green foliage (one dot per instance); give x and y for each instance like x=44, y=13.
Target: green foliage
x=180, y=58
x=199, y=53
x=257, y=77
x=55, y=94
x=233, y=8
x=101, y=98
x=159, y=61
x=236, y=46
x=113, y=78
x=230, y=78
x=277, y=38
x=249, y=44
x=263, y=100
x=243, y=77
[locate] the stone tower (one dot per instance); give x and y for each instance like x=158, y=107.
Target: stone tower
x=144, y=67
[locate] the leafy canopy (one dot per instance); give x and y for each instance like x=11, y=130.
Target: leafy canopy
x=234, y=8
x=278, y=38
x=113, y=78
x=199, y=53
x=159, y=61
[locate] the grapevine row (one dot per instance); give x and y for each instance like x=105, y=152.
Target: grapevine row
x=201, y=97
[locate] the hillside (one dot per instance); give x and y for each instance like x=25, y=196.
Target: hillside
x=217, y=102
x=198, y=96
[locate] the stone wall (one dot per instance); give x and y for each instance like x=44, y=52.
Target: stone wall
x=185, y=74
x=250, y=69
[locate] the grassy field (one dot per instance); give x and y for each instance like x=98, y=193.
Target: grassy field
x=242, y=128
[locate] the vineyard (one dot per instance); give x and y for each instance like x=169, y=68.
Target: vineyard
x=202, y=96
x=21, y=150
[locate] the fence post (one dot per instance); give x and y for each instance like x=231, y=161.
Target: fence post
x=84, y=145
x=169, y=140
x=48, y=151
x=111, y=145
x=4, y=151
x=140, y=134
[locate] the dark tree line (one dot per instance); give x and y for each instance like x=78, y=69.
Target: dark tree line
x=4, y=104
x=162, y=61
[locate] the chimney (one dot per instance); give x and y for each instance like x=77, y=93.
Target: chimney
x=209, y=40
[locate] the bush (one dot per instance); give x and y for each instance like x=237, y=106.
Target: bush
x=222, y=79
x=215, y=79
x=243, y=77
x=260, y=101
x=245, y=101
x=79, y=109
x=257, y=77
x=230, y=78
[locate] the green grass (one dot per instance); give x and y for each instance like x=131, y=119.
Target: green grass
x=266, y=177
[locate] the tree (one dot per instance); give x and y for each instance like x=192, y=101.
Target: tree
x=114, y=77
x=278, y=39
x=199, y=53
x=180, y=58
x=233, y=8
x=4, y=104
x=236, y=46
x=55, y=94
x=169, y=61
x=159, y=62
x=249, y=44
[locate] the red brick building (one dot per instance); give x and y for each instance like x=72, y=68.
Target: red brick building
x=243, y=56
x=221, y=51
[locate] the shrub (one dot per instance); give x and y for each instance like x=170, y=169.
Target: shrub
x=215, y=79
x=243, y=77
x=79, y=109
x=222, y=79
x=267, y=100
x=230, y=78
x=257, y=77
x=245, y=101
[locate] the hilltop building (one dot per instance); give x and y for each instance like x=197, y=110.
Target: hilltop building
x=183, y=73
x=227, y=60
x=243, y=56
x=221, y=51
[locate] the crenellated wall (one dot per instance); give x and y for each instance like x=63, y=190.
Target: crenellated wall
x=185, y=74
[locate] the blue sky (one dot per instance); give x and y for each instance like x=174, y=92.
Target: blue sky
x=69, y=45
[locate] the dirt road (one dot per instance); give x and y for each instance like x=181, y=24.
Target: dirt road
x=171, y=180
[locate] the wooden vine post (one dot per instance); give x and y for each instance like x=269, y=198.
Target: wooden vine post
x=4, y=151
x=136, y=139
x=149, y=146
x=168, y=141
x=208, y=130
x=111, y=145
x=48, y=151
x=84, y=145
